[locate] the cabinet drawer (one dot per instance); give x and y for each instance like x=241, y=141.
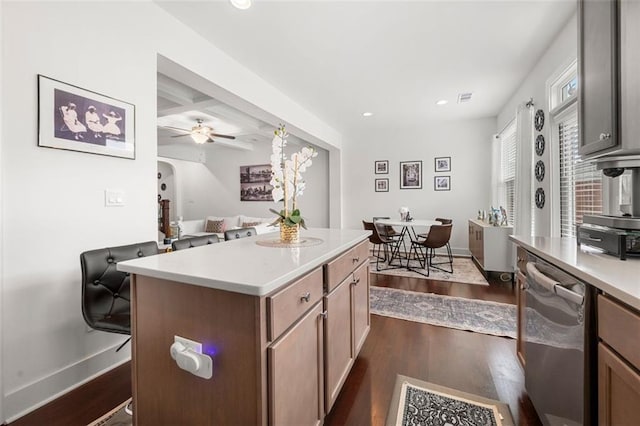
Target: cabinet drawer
x=286, y=306
x=338, y=269
x=619, y=327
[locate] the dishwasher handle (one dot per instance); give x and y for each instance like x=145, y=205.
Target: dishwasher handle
x=541, y=278
x=553, y=285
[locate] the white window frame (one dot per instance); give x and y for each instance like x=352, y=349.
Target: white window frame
x=557, y=111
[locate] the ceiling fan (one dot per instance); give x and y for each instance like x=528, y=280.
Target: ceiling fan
x=200, y=133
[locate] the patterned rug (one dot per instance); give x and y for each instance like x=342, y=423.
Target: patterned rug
x=115, y=417
x=464, y=271
x=418, y=403
x=497, y=319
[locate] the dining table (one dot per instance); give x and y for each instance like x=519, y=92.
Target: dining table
x=408, y=226
x=408, y=229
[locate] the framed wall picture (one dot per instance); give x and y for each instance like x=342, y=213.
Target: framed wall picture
x=254, y=183
x=411, y=175
x=381, y=167
x=443, y=164
x=382, y=185
x=442, y=183
x=77, y=119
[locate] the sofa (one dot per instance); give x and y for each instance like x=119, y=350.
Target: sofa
x=219, y=224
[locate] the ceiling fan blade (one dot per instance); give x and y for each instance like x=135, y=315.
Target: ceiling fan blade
x=221, y=136
x=180, y=136
x=176, y=128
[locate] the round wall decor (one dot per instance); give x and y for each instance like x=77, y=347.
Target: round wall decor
x=539, y=198
x=539, y=171
x=538, y=120
x=540, y=144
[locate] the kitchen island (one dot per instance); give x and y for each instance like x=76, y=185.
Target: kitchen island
x=282, y=326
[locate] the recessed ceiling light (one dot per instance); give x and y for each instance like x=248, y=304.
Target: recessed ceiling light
x=367, y=114
x=241, y=4
x=442, y=102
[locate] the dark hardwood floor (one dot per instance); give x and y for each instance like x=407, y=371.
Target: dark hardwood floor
x=470, y=362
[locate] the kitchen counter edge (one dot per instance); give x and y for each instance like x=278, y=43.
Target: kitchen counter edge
x=619, y=278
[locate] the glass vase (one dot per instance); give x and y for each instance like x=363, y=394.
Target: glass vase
x=289, y=234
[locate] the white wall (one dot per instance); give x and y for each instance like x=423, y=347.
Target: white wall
x=561, y=51
x=468, y=143
x=53, y=200
x=212, y=188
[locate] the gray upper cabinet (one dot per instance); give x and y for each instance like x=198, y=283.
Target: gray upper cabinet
x=630, y=75
x=609, y=76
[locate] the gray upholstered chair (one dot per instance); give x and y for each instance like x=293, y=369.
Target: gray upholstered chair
x=186, y=243
x=234, y=234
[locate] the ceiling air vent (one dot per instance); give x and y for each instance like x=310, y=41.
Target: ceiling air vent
x=464, y=97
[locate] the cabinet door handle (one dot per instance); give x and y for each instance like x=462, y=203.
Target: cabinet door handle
x=355, y=281
x=305, y=297
x=324, y=314
x=605, y=136
x=594, y=239
x=356, y=259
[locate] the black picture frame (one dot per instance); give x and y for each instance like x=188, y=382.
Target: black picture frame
x=442, y=164
x=382, y=185
x=77, y=119
x=442, y=183
x=411, y=174
x=255, y=183
x=381, y=167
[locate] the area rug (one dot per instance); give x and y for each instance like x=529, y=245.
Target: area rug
x=494, y=318
x=464, y=271
x=418, y=403
x=115, y=417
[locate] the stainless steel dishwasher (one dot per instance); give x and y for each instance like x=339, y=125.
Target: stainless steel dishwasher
x=559, y=349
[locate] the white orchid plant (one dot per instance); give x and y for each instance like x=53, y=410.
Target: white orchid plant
x=286, y=178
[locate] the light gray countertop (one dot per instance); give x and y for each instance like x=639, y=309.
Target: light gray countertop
x=619, y=278
x=243, y=266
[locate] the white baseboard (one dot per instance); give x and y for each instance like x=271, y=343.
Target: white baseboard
x=34, y=395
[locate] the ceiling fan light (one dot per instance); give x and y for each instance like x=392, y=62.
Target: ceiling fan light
x=241, y=4
x=199, y=137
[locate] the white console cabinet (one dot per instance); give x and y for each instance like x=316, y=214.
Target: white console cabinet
x=490, y=246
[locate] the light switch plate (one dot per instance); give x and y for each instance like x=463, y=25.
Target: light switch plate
x=113, y=198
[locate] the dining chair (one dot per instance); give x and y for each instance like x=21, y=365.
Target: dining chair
x=191, y=242
x=374, y=239
x=389, y=231
x=439, y=219
x=234, y=234
x=439, y=236
x=388, y=243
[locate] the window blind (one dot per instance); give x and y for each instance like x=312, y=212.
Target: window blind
x=507, y=181
x=580, y=182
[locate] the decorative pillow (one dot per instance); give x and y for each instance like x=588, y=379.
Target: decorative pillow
x=250, y=224
x=230, y=222
x=216, y=226
x=248, y=219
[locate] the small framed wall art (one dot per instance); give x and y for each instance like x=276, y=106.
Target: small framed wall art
x=255, y=183
x=443, y=164
x=381, y=167
x=411, y=175
x=77, y=119
x=442, y=183
x=382, y=185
